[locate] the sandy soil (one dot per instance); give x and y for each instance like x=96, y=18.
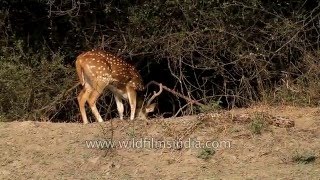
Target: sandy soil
x=40, y=150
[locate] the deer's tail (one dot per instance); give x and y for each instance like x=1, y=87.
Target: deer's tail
x=79, y=70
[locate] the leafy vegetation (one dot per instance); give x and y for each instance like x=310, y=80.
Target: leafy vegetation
x=258, y=123
x=206, y=153
x=304, y=158
x=230, y=51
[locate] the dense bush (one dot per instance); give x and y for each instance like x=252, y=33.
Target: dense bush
x=33, y=84
x=232, y=52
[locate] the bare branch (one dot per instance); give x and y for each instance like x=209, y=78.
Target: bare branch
x=176, y=93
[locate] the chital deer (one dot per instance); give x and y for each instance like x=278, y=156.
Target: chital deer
x=98, y=70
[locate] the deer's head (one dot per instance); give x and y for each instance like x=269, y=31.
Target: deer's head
x=144, y=108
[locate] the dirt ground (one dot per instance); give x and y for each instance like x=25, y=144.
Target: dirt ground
x=37, y=150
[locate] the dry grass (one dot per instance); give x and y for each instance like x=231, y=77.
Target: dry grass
x=58, y=150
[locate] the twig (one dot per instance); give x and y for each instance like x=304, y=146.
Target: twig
x=176, y=93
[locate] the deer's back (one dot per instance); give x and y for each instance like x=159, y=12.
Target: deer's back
x=103, y=68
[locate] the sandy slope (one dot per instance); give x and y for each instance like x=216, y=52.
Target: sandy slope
x=58, y=150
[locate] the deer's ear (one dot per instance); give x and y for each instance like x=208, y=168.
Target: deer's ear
x=150, y=108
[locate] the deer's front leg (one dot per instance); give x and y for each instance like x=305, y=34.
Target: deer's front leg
x=132, y=96
x=119, y=105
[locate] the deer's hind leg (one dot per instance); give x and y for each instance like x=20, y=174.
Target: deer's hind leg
x=82, y=99
x=92, y=103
